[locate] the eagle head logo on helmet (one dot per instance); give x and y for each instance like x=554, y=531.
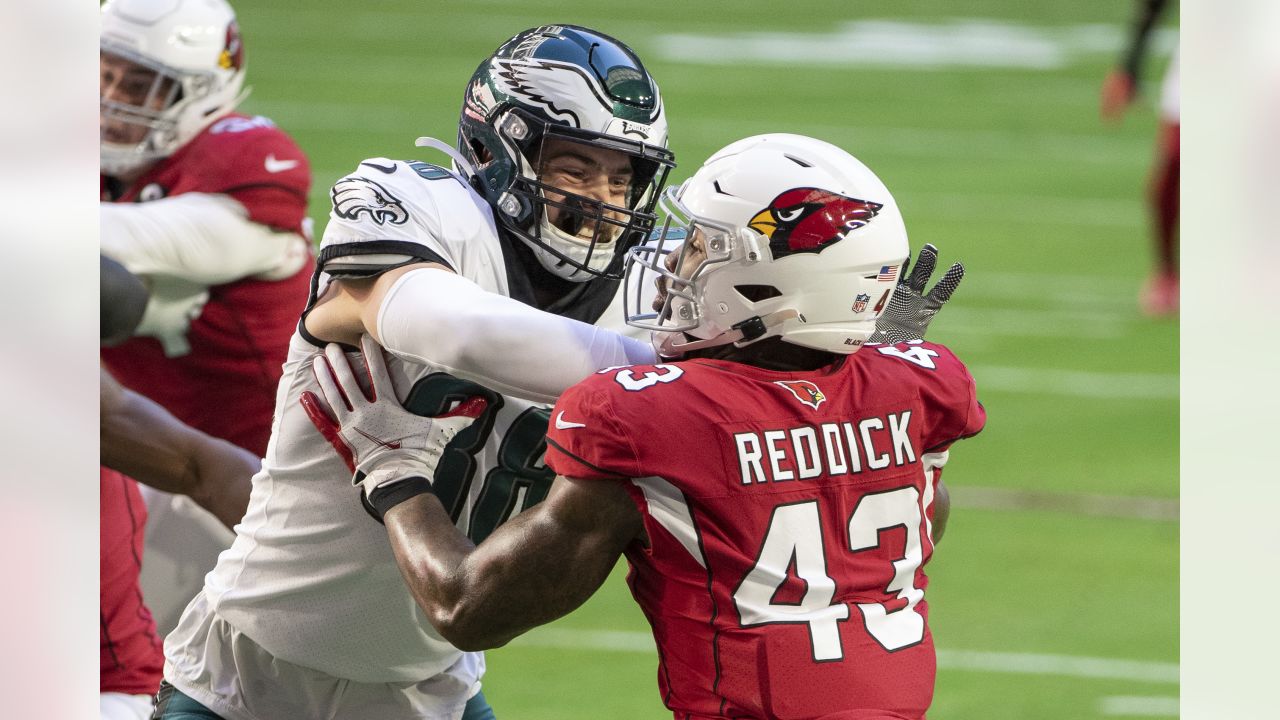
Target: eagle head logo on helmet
x=808, y=219
x=354, y=195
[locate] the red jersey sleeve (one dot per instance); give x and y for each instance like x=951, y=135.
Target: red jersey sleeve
x=253, y=161
x=950, y=397
x=585, y=438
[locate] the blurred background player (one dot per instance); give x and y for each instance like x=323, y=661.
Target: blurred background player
x=143, y=440
x=489, y=274
x=207, y=206
x=1121, y=87
x=779, y=476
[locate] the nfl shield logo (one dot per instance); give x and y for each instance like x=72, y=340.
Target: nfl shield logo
x=860, y=302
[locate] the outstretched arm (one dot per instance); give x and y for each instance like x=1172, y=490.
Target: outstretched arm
x=142, y=440
x=536, y=568
x=425, y=313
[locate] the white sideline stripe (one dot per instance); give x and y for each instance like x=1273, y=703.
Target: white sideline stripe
x=1137, y=508
x=1034, y=209
x=960, y=42
x=1063, y=665
x=1080, y=292
x=943, y=143
x=1075, y=383
x=1140, y=706
x=997, y=662
x=1016, y=322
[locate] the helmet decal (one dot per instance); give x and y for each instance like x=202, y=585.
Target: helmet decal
x=772, y=212
x=232, y=56
x=525, y=79
x=808, y=219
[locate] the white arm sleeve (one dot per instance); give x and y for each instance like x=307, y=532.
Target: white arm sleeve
x=203, y=238
x=434, y=316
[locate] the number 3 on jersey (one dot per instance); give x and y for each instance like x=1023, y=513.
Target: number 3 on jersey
x=795, y=531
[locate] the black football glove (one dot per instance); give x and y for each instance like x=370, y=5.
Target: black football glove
x=911, y=310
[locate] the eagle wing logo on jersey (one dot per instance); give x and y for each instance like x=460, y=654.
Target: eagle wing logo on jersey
x=354, y=195
x=804, y=391
x=805, y=220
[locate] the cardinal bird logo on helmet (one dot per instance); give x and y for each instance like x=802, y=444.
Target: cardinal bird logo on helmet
x=808, y=219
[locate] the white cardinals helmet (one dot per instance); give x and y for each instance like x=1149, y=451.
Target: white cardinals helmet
x=787, y=236
x=185, y=61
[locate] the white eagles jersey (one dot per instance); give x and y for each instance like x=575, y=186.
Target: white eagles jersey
x=311, y=577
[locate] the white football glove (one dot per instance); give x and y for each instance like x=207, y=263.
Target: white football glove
x=911, y=309
x=392, y=452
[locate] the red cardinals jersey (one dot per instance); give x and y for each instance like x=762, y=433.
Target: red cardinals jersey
x=130, y=657
x=790, y=517
x=225, y=385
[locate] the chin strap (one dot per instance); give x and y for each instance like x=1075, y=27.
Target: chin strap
x=740, y=334
x=467, y=168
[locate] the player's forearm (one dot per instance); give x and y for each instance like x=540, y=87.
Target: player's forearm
x=206, y=239
x=142, y=440
x=432, y=555
x=434, y=316
x=527, y=573
x=224, y=478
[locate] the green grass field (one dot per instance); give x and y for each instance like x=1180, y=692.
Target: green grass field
x=1055, y=592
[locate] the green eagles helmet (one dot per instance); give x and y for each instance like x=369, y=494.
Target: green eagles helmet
x=572, y=84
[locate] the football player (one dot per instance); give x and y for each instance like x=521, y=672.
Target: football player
x=143, y=440
x=1160, y=294
x=773, y=491
x=208, y=207
x=480, y=280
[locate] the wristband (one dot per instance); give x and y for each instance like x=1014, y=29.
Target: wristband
x=386, y=496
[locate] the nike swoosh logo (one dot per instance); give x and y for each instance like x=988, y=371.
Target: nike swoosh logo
x=383, y=443
x=274, y=166
x=384, y=168
x=561, y=424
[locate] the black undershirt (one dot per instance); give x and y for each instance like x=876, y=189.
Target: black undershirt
x=532, y=284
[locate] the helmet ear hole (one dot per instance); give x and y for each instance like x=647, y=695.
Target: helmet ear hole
x=757, y=293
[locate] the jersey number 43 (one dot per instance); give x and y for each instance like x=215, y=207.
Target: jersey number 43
x=795, y=531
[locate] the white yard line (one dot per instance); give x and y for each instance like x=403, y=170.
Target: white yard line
x=955, y=43
x=1076, y=383
x=1138, y=508
x=989, y=145
x=975, y=661
x=1139, y=706
x=1017, y=322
